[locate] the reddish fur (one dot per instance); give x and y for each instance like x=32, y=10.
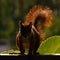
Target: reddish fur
x=36, y=11
x=31, y=15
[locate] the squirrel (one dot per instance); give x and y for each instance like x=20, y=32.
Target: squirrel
x=32, y=30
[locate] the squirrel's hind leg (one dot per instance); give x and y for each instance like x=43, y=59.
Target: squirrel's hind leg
x=22, y=50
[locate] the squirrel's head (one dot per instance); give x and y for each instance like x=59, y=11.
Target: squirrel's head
x=25, y=29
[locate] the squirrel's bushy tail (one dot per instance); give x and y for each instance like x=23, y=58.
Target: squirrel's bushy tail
x=40, y=17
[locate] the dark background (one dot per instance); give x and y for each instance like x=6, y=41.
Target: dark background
x=12, y=11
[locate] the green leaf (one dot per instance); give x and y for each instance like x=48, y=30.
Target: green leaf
x=10, y=51
x=50, y=46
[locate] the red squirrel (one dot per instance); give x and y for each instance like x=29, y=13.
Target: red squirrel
x=32, y=29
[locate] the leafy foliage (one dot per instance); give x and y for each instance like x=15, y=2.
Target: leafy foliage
x=7, y=27
x=54, y=29
x=50, y=45
x=10, y=51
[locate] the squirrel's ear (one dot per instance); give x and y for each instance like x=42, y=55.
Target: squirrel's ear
x=30, y=24
x=21, y=23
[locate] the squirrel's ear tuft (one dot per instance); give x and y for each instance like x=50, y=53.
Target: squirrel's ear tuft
x=21, y=23
x=30, y=24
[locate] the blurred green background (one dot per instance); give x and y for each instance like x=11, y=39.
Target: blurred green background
x=12, y=11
